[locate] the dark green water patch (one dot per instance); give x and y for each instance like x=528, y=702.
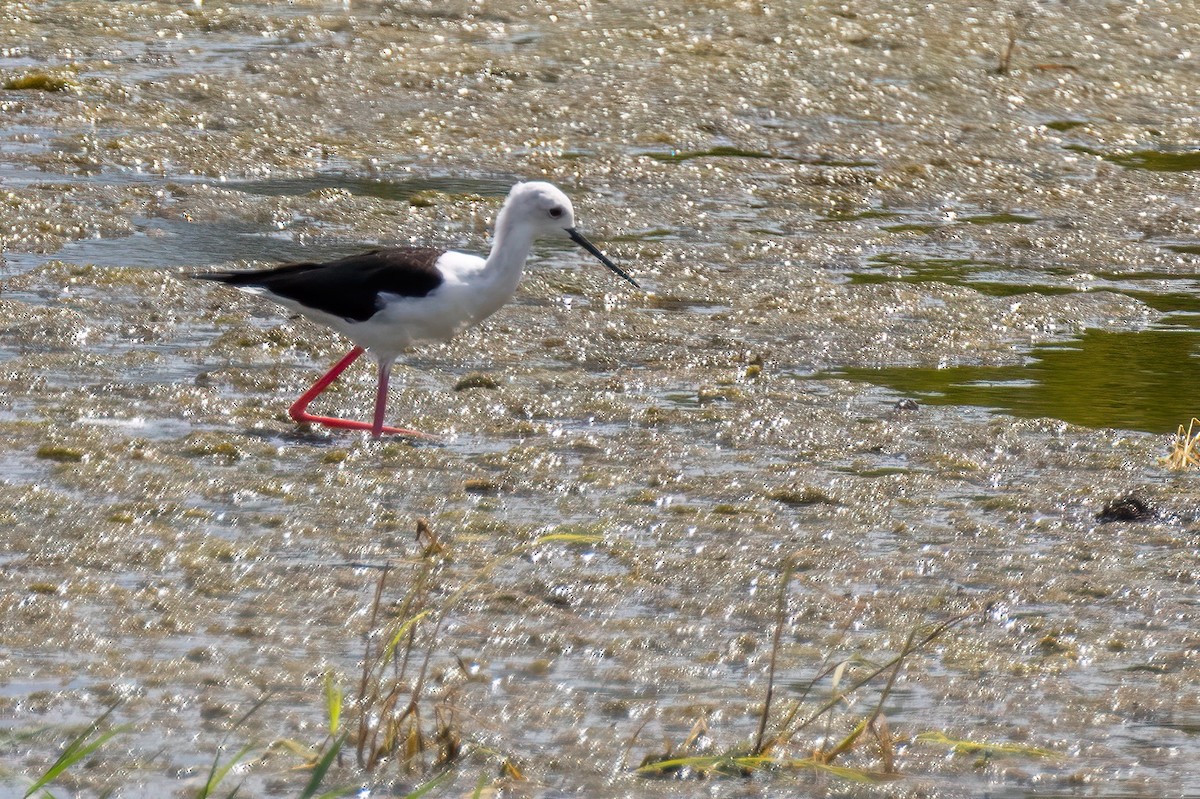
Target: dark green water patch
x=1169, y=302
x=1063, y=125
x=1184, y=249
x=679, y=156
x=1153, y=160
x=855, y=216
x=955, y=272
x=405, y=190
x=1000, y=219
x=910, y=228
x=1134, y=380
x=1000, y=280
x=650, y=234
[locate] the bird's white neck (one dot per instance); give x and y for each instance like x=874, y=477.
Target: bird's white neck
x=496, y=283
x=510, y=248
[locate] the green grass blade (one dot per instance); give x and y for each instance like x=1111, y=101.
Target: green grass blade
x=78, y=749
x=428, y=786
x=340, y=791
x=698, y=763
x=983, y=747
x=333, y=702
x=322, y=766
x=570, y=538
x=408, y=624
x=218, y=772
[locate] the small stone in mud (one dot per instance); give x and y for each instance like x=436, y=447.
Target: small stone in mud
x=1129, y=508
x=907, y=404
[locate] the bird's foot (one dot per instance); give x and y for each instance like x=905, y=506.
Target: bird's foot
x=352, y=424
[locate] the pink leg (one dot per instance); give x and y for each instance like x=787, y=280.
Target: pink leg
x=299, y=409
x=385, y=370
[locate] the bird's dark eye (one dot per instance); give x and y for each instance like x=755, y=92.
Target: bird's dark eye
x=556, y=212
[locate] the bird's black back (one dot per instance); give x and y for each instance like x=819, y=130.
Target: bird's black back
x=348, y=287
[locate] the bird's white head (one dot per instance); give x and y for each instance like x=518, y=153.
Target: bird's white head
x=541, y=206
x=543, y=210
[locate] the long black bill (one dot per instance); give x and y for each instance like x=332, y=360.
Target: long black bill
x=579, y=239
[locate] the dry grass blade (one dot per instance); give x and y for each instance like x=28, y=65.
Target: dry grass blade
x=1015, y=28
x=887, y=748
x=866, y=723
x=1185, y=448
x=727, y=764
x=570, y=538
x=391, y=726
x=780, y=618
x=742, y=765
x=911, y=646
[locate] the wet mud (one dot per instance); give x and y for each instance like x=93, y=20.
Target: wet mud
x=832, y=208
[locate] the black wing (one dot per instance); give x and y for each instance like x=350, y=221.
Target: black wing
x=348, y=287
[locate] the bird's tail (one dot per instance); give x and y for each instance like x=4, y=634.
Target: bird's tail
x=232, y=278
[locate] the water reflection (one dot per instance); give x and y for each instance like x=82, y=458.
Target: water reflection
x=1136, y=380
x=402, y=190
x=163, y=243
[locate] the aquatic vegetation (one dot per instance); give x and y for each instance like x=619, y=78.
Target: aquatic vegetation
x=1064, y=125
x=1185, y=448
x=62, y=454
x=1002, y=218
x=1129, y=508
x=984, y=748
x=677, y=156
x=1014, y=28
x=42, y=81
x=910, y=228
x=769, y=750
x=1152, y=160
x=84, y=748
x=399, y=717
x=801, y=496
x=476, y=380
x=78, y=750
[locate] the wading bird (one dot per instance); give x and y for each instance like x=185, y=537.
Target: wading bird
x=386, y=299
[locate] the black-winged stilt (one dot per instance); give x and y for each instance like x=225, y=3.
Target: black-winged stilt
x=386, y=299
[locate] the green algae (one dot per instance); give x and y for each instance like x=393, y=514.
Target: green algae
x=680, y=156
x=41, y=81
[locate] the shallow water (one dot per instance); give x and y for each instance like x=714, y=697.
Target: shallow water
x=830, y=208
